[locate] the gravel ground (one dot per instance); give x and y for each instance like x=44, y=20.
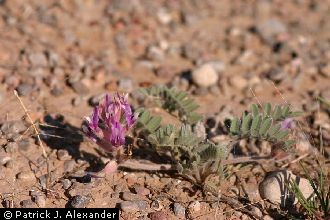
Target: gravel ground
x=62, y=56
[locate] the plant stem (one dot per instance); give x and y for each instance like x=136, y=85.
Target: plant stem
x=146, y=165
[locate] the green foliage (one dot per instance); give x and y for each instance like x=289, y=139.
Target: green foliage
x=173, y=100
x=264, y=125
x=195, y=157
x=146, y=123
x=318, y=204
x=188, y=151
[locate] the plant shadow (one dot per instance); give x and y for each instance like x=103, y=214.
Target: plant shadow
x=59, y=134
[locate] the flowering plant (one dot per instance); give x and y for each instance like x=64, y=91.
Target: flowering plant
x=109, y=123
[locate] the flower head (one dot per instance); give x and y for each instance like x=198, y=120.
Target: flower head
x=110, y=122
x=288, y=123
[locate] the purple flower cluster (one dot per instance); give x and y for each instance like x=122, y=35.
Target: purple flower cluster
x=288, y=124
x=110, y=122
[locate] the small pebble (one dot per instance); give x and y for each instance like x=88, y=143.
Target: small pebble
x=114, y=195
x=200, y=91
x=252, y=191
x=133, y=206
x=38, y=59
x=80, y=201
x=179, y=210
x=24, y=89
x=63, y=155
x=77, y=101
x=26, y=175
x=164, y=16
x=11, y=147
x=69, y=165
x=13, y=127
x=204, y=76
x=128, y=196
x=166, y=72
x=56, y=91
x=40, y=200
x=80, y=88
x=43, y=180
x=24, y=144
x=158, y=215
x=66, y=183
x=238, y=82
x=155, y=53
x=79, y=189
x=194, y=207
x=125, y=85
x=183, y=84
x=141, y=190
x=118, y=188
x=190, y=18
x=156, y=205
x=180, y=83
x=28, y=204
x=4, y=159
x=270, y=29
x=190, y=52
x=256, y=211
x=10, y=164
x=303, y=146
x=53, y=58
x=267, y=217
x=131, y=179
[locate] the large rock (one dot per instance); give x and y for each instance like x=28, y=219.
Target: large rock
x=205, y=76
x=275, y=188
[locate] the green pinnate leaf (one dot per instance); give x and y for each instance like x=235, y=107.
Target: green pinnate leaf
x=285, y=111
x=145, y=117
x=175, y=101
x=265, y=125
x=277, y=113
x=255, y=110
x=256, y=122
x=268, y=109
x=246, y=124
x=193, y=118
x=235, y=126
x=295, y=114
x=273, y=130
x=154, y=123
x=281, y=135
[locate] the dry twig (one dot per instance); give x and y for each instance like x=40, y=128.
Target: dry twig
x=37, y=134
